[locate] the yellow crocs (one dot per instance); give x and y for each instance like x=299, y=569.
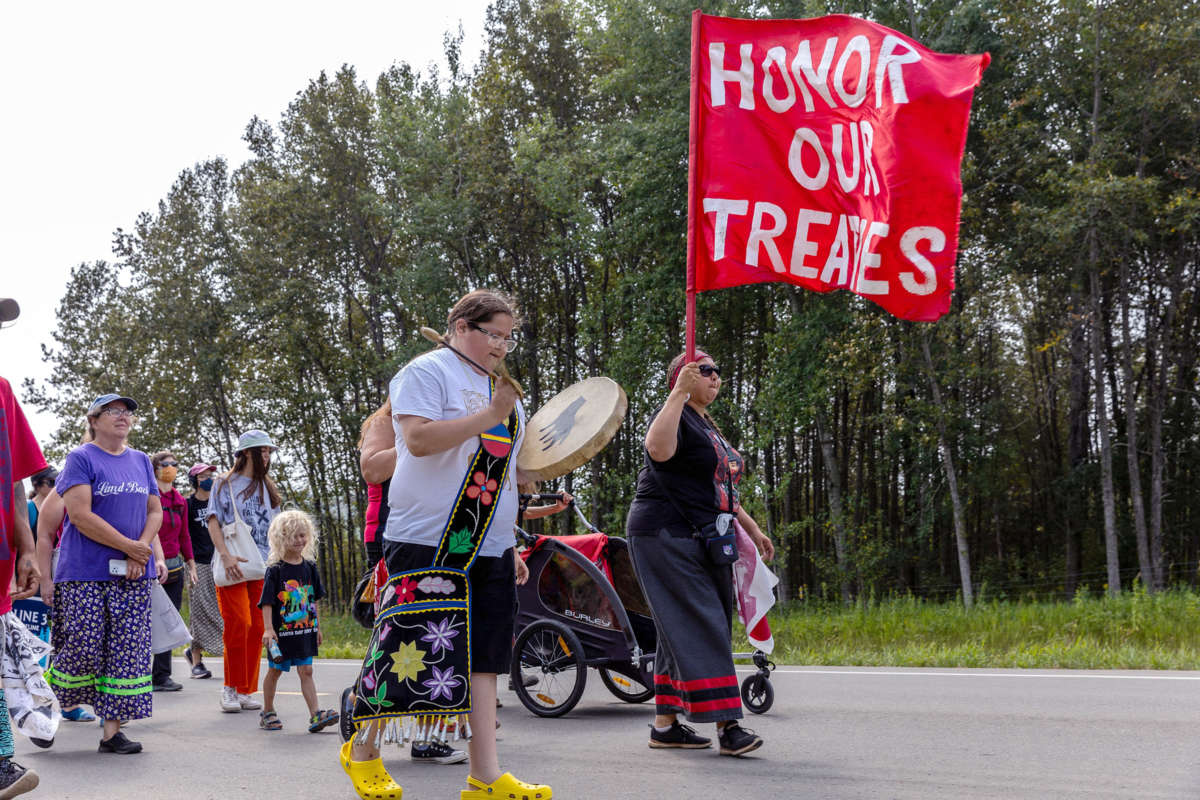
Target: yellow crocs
x=370, y=779
x=506, y=787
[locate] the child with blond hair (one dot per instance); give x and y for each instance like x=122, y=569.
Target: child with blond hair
x=291, y=632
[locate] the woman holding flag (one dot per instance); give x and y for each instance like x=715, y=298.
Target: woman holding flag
x=685, y=491
x=448, y=547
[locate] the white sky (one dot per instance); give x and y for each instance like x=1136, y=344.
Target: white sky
x=104, y=104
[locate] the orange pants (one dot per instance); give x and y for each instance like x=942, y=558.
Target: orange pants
x=243, y=634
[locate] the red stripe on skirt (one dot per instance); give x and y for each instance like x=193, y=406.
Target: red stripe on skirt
x=696, y=685
x=704, y=705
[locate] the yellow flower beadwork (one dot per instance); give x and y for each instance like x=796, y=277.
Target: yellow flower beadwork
x=408, y=661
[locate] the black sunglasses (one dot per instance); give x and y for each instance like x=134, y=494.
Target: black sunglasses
x=708, y=370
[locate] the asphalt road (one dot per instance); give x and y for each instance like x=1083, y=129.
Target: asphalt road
x=832, y=733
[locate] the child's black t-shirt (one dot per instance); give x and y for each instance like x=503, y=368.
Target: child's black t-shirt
x=292, y=592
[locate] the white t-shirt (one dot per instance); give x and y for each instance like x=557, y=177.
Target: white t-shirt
x=439, y=386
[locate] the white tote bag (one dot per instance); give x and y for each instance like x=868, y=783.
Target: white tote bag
x=240, y=544
x=167, y=629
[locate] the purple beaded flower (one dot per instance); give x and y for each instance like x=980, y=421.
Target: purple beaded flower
x=439, y=636
x=441, y=683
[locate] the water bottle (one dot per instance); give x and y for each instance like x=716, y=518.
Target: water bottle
x=274, y=652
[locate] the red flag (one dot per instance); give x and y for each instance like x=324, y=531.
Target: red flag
x=825, y=153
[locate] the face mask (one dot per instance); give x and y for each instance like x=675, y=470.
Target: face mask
x=205, y=484
x=167, y=474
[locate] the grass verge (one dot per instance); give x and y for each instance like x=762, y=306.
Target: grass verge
x=1134, y=631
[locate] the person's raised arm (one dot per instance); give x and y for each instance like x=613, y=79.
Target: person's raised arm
x=377, y=459
x=78, y=500
x=425, y=437
x=662, y=438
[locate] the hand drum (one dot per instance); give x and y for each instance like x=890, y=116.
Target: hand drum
x=575, y=425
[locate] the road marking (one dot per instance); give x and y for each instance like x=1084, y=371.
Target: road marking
x=891, y=673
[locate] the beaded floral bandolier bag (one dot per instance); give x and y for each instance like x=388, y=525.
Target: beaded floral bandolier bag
x=416, y=674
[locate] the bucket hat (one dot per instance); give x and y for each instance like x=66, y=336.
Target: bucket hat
x=254, y=438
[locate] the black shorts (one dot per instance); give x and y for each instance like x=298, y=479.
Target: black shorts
x=493, y=600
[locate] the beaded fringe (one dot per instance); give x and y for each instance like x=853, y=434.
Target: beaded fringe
x=420, y=728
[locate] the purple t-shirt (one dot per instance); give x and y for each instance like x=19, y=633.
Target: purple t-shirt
x=120, y=486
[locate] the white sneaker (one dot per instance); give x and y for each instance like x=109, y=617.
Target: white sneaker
x=249, y=703
x=229, y=700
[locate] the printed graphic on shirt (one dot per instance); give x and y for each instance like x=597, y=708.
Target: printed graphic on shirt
x=252, y=510
x=292, y=591
x=106, y=489
x=297, y=609
x=258, y=518
x=474, y=401
x=728, y=472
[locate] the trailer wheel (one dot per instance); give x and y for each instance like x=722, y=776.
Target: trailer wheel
x=624, y=687
x=548, y=652
x=757, y=693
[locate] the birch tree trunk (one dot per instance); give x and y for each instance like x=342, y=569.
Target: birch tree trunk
x=1108, y=500
x=1077, y=443
x=1108, y=497
x=960, y=527
x=1157, y=362
x=836, y=513
x=1156, y=373
x=1137, y=505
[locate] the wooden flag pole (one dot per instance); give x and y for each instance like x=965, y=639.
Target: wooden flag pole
x=692, y=220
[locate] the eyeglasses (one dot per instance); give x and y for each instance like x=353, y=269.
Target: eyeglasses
x=118, y=413
x=708, y=370
x=509, y=344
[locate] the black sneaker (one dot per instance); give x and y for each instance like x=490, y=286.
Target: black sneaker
x=346, y=718
x=168, y=686
x=201, y=671
x=42, y=743
x=15, y=779
x=736, y=740
x=678, y=735
x=117, y=743
x=436, y=753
